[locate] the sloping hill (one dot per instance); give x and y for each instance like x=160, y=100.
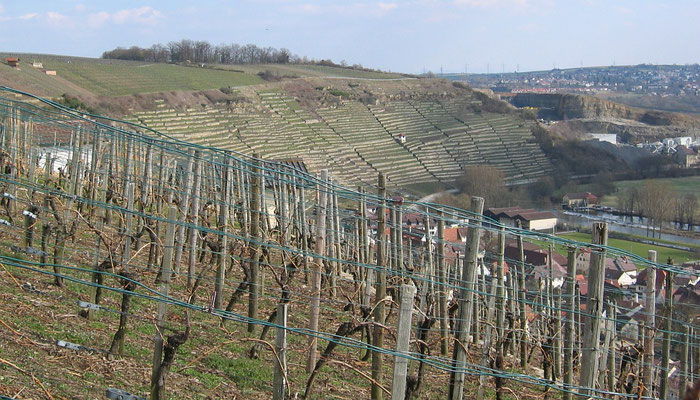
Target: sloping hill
x=350, y=121
x=336, y=127
x=100, y=77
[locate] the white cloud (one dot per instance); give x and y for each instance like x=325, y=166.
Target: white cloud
x=142, y=15
x=493, y=3
x=28, y=16
x=57, y=19
x=346, y=9
x=98, y=19
x=306, y=8
x=387, y=6
x=139, y=16
x=21, y=17
x=624, y=10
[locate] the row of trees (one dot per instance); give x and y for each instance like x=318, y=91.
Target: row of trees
x=659, y=203
x=201, y=51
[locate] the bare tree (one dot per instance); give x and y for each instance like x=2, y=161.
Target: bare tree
x=689, y=206
x=628, y=200
x=483, y=181
x=656, y=202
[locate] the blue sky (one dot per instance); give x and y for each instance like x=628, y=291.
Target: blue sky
x=407, y=36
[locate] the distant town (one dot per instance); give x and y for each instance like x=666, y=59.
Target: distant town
x=656, y=80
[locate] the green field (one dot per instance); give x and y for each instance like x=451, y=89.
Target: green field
x=311, y=71
x=640, y=249
x=119, y=77
x=690, y=184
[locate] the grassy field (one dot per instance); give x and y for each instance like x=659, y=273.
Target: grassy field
x=123, y=79
x=118, y=77
x=311, y=71
x=640, y=249
x=689, y=184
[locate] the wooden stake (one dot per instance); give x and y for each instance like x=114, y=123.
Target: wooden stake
x=664, y=391
x=650, y=328
x=594, y=311
x=379, y=309
x=194, y=219
x=256, y=215
x=280, y=376
x=466, y=299
x=685, y=356
x=184, y=210
x=223, y=239
x=398, y=391
x=316, y=271
x=442, y=291
x=165, y=274
x=571, y=311
x=522, y=300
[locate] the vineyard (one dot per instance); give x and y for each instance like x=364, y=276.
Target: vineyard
x=139, y=265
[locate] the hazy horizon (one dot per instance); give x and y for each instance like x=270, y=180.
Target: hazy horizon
x=454, y=36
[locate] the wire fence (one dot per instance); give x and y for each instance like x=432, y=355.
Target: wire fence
x=145, y=222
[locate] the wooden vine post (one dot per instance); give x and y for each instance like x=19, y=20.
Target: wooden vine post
x=254, y=245
x=650, y=328
x=315, y=270
x=466, y=299
x=594, y=311
x=664, y=392
x=223, y=240
x=380, y=285
x=194, y=219
x=184, y=210
x=165, y=274
x=522, y=300
x=571, y=312
x=280, y=375
x=398, y=391
x=442, y=291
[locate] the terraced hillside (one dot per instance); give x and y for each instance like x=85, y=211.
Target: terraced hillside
x=349, y=121
x=339, y=129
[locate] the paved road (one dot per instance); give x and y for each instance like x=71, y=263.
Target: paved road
x=431, y=197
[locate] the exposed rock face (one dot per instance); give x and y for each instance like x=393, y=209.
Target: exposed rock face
x=565, y=106
x=585, y=114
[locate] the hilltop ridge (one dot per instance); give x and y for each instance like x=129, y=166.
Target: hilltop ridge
x=354, y=123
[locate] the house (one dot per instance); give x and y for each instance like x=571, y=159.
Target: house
x=12, y=61
x=687, y=302
x=541, y=272
x=641, y=285
x=534, y=254
x=687, y=157
x=50, y=72
x=36, y=64
x=402, y=138
x=579, y=199
x=620, y=279
x=541, y=221
x=455, y=235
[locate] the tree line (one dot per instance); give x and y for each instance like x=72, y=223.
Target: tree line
x=201, y=51
x=660, y=203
